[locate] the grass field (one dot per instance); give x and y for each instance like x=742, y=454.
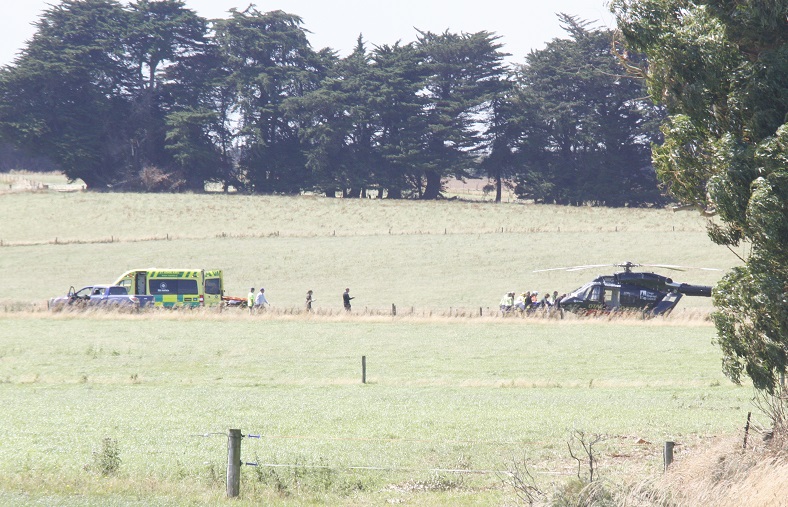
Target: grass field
x=427, y=255
x=440, y=395
x=443, y=393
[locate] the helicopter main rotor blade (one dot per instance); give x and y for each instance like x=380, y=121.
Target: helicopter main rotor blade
x=626, y=265
x=665, y=266
x=574, y=268
x=679, y=268
x=590, y=266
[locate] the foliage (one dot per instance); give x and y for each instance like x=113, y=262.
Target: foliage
x=583, y=128
x=464, y=73
x=63, y=97
x=269, y=59
x=106, y=460
x=109, y=92
x=577, y=492
x=721, y=69
x=401, y=118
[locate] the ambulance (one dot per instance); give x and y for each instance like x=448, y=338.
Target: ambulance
x=175, y=287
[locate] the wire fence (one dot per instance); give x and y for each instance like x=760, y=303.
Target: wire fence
x=367, y=467
x=646, y=448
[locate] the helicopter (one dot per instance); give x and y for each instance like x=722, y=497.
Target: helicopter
x=648, y=292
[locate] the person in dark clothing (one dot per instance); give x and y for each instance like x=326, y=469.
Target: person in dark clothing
x=346, y=299
x=309, y=301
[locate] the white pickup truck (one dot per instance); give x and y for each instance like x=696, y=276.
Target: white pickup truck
x=98, y=295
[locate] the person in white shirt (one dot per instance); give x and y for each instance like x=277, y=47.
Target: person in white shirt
x=260, y=301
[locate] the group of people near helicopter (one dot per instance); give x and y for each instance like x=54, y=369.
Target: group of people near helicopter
x=530, y=301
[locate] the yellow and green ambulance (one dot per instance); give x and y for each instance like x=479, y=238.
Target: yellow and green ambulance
x=175, y=287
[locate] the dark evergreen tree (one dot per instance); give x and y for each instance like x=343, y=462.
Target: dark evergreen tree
x=464, y=74
x=200, y=125
x=337, y=126
x=65, y=96
x=585, y=130
x=398, y=76
x=160, y=34
x=501, y=138
x=362, y=128
x=270, y=60
x=89, y=90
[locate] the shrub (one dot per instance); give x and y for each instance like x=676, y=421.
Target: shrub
x=107, y=460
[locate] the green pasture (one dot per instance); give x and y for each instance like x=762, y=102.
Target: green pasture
x=417, y=255
x=441, y=394
x=445, y=391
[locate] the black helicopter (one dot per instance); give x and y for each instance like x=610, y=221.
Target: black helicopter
x=648, y=292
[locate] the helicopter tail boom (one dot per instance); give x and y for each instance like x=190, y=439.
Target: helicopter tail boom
x=691, y=290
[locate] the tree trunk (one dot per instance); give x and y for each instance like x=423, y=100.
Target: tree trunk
x=498, y=187
x=331, y=193
x=394, y=193
x=433, y=188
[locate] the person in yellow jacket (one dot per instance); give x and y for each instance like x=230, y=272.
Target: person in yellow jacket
x=507, y=301
x=250, y=300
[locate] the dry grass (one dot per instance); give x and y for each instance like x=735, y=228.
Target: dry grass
x=28, y=181
x=679, y=318
x=718, y=473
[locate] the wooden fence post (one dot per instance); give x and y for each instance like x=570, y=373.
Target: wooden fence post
x=363, y=369
x=746, y=430
x=668, y=454
x=234, y=463
x=393, y=309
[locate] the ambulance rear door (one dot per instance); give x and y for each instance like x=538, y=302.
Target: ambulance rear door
x=214, y=287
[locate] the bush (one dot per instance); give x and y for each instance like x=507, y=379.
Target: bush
x=107, y=460
x=578, y=493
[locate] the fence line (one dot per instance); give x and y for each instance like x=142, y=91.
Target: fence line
x=333, y=233
x=699, y=314
x=389, y=469
x=234, y=461
x=387, y=440
x=366, y=439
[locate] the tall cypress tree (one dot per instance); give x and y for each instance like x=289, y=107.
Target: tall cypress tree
x=585, y=130
x=464, y=71
x=65, y=95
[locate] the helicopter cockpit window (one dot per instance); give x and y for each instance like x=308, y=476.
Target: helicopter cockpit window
x=582, y=293
x=597, y=293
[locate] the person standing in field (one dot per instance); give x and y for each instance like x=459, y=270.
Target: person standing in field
x=520, y=302
x=260, y=301
x=346, y=299
x=507, y=301
x=545, y=303
x=309, y=300
x=250, y=300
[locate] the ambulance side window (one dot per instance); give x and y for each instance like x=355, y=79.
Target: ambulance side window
x=213, y=285
x=167, y=286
